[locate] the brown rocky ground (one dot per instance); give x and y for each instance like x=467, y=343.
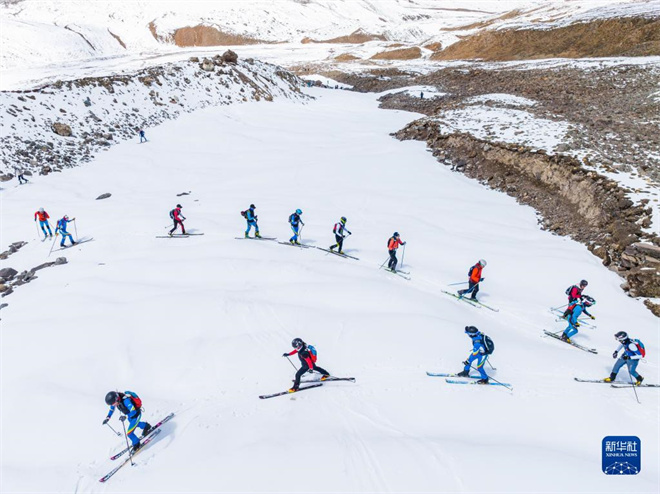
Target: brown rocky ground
x=399, y=54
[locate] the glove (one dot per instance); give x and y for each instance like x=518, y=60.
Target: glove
x=615, y=354
x=593, y=317
x=310, y=371
x=625, y=357
x=122, y=418
x=466, y=362
x=285, y=355
x=482, y=279
x=105, y=420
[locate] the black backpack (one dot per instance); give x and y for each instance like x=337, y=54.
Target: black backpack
x=488, y=344
x=244, y=214
x=172, y=214
x=568, y=290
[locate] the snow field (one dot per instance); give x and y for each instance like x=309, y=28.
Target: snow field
x=197, y=325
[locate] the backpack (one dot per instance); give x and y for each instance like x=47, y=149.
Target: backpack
x=640, y=346
x=137, y=401
x=313, y=354
x=488, y=344
x=172, y=214
x=244, y=214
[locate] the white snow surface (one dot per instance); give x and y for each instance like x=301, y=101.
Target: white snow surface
x=198, y=325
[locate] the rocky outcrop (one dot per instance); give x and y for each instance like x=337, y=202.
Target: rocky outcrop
x=12, y=279
x=572, y=200
x=209, y=36
x=104, y=196
x=399, y=54
x=66, y=123
x=357, y=37
x=12, y=249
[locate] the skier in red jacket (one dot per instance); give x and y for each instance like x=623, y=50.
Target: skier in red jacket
x=307, y=355
x=178, y=219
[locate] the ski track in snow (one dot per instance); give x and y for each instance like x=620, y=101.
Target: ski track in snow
x=198, y=325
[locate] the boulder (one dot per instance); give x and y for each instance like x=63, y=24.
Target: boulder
x=7, y=274
x=61, y=129
x=208, y=65
x=104, y=196
x=229, y=57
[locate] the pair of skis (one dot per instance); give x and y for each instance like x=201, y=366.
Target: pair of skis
x=81, y=241
x=473, y=302
x=403, y=274
x=178, y=235
x=155, y=430
x=572, y=343
x=305, y=388
x=471, y=379
x=617, y=384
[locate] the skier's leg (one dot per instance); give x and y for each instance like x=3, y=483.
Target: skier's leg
x=132, y=424
x=183, y=228
x=173, y=228
x=299, y=374
x=632, y=368
x=321, y=370
x=481, y=360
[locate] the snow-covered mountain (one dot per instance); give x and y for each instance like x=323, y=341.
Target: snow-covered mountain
x=198, y=325
x=37, y=33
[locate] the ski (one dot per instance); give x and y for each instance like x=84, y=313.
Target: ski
x=153, y=429
x=486, y=306
x=399, y=273
x=193, y=234
x=332, y=378
x=490, y=383
x=83, y=241
x=442, y=374
x=265, y=397
x=467, y=300
x=581, y=321
x=576, y=345
x=635, y=385
x=255, y=238
x=590, y=380
x=302, y=246
x=116, y=469
x=337, y=253
x=172, y=236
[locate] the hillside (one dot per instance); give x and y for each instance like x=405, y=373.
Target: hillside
x=198, y=325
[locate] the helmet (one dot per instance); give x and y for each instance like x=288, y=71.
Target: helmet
x=41, y=210
x=297, y=343
x=621, y=336
x=252, y=206
x=343, y=219
x=111, y=398
x=584, y=283
x=395, y=234
x=471, y=331
x=179, y=206
x=66, y=217
x=298, y=211
x=483, y=263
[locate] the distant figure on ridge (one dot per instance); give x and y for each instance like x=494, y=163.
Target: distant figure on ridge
x=142, y=136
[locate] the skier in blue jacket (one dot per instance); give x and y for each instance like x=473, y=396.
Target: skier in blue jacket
x=478, y=353
x=124, y=401
x=633, y=352
x=61, y=228
x=575, y=310
x=295, y=222
x=251, y=222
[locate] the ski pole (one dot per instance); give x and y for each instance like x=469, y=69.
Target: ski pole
x=490, y=377
x=75, y=227
x=403, y=254
x=53, y=245
x=632, y=384
x=130, y=452
x=116, y=432
x=459, y=283
x=287, y=357
x=384, y=262
x=37, y=227
x=557, y=308
x=491, y=365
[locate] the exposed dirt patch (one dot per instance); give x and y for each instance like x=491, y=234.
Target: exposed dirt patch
x=572, y=201
x=400, y=54
x=434, y=46
x=601, y=38
x=123, y=45
x=358, y=37
x=346, y=57
x=209, y=36
x=484, y=24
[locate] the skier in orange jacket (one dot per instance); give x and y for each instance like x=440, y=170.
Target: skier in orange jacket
x=474, y=278
x=392, y=245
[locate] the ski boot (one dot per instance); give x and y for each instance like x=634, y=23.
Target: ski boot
x=293, y=390
x=169, y=233
x=610, y=379
x=463, y=373
x=257, y=235
x=341, y=252
x=136, y=448
x=147, y=429
x=332, y=247
x=473, y=297
x=292, y=242
x=296, y=242
x=483, y=381
x=565, y=338
x=326, y=376
x=460, y=293
x=247, y=236
x=639, y=380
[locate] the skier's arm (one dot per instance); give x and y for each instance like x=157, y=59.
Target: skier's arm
x=110, y=412
x=293, y=352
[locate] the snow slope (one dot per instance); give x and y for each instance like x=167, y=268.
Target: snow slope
x=197, y=325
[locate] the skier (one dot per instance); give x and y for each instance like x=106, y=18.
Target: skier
x=392, y=245
x=251, y=222
x=43, y=222
x=295, y=222
x=129, y=405
x=574, y=292
x=61, y=228
x=178, y=219
x=633, y=351
x=479, y=353
x=576, y=309
x=474, y=278
x=339, y=230
x=19, y=173
x=142, y=136
x=307, y=355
